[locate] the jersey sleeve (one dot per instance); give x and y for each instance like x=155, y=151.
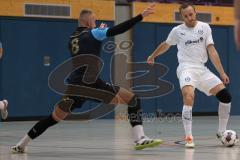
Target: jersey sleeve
x=0, y=45
x=172, y=37
x=99, y=33
x=209, y=39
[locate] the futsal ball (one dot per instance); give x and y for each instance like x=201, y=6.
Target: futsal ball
x=229, y=138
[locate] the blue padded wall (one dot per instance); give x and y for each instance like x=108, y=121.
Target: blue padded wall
x=24, y=78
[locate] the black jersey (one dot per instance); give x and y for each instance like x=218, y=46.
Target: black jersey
x=82, y=42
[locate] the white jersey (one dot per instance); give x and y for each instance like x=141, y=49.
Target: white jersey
x=191, y=42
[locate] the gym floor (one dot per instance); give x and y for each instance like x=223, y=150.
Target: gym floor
x=110, y=140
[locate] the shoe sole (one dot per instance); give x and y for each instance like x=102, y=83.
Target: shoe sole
x=150, y=145
x=190, y=146
x=17, y=152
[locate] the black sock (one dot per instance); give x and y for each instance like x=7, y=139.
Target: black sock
x=41, y=126
x=135, y=112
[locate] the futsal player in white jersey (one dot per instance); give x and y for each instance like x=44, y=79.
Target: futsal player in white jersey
x=195, y=44
x=3, y=103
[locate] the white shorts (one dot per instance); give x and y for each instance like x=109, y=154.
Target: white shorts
x=199, y=77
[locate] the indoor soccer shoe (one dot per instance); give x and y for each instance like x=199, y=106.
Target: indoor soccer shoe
x=17, y=149
x=4, y=112
x=219, y=135
x=146, y=142
x=189, y=142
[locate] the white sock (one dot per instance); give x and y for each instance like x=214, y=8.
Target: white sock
x=1, y=105
x=138, y=132
x=187, y=119
x=223, y=114
x=24, y=141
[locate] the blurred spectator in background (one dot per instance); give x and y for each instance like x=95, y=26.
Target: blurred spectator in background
x=237, y=25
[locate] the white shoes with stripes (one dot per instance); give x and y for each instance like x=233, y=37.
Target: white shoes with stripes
x=146, y=142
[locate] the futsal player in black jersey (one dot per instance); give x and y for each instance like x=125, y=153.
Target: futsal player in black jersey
x=87, y=40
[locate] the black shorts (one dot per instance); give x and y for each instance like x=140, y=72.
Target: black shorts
x=108, y=91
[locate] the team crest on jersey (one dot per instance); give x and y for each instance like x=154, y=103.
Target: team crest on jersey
x=200, y=32
x=187, y=79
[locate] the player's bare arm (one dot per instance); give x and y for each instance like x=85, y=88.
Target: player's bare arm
x=149, y=10
x=162, y=48
x=215, y=59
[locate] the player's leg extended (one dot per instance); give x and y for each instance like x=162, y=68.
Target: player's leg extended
x=224, y=108
x=188, y=100
x=61, y=111
x=3, y=109
x=135, y=117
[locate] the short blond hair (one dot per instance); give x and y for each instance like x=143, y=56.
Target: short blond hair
x=83, y=14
